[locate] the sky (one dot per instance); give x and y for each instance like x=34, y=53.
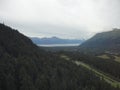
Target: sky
x=79, y=19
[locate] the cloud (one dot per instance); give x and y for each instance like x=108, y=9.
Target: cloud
x=65, y=18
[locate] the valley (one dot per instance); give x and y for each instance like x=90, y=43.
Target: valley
x=59, y=44
x=25, y=66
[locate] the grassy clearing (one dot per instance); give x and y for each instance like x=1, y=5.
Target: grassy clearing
x=117, y=59
x=104, y=56
x=102, y=75
x=65, y=57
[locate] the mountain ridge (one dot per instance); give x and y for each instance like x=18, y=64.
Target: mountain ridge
x=55, y=40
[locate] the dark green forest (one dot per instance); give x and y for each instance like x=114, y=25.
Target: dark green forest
x=24, y=66
x=108, y=66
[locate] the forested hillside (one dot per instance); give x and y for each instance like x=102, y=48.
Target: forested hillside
x=103, y=42
x=24, y=66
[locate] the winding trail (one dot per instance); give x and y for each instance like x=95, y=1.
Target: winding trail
x=100, y=74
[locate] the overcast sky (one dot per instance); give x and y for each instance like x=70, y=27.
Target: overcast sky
x=62, y=18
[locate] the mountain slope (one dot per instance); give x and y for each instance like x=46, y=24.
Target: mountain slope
x=106, y=41
x=24, y=66
x=55, y=40
x=15, y=43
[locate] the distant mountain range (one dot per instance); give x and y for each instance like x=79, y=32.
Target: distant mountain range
x=56, y=40
x=103, y=42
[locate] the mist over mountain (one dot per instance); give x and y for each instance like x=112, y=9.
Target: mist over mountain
x=56, y=40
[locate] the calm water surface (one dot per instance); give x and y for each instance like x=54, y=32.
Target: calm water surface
x=58, y=45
